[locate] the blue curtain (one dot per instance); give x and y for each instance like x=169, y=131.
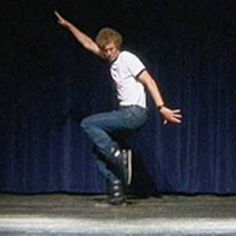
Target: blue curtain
x=49, y=83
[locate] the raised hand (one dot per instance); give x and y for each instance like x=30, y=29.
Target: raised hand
x=61, y=20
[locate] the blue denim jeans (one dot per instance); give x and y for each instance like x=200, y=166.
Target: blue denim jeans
x=106, y=130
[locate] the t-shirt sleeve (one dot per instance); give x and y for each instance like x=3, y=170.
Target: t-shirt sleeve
x=134, y=64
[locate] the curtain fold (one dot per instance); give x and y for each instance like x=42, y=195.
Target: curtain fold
x=49, y=83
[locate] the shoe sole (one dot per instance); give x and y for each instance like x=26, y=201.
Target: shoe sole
x=129, y=154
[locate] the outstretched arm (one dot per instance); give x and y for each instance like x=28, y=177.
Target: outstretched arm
x=169, y=115
x=83, y=39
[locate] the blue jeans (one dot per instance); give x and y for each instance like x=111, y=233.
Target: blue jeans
x=106, y=130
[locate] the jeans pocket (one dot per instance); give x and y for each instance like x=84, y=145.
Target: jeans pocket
x=136, y=117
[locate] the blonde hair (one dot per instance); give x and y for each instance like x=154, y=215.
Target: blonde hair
x=107, y=35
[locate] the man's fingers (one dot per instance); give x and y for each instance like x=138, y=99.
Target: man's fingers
x=58, y=15
x=177, y=115
x=175, y=120
x=176, y=111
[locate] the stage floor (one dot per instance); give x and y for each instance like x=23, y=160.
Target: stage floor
x=65, y=214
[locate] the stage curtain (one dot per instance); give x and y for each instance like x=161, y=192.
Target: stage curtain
x=49, y=83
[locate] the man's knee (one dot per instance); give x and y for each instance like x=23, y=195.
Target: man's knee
x=84, y=124
x=88, y=125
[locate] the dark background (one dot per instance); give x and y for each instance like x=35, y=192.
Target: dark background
x=48, y=83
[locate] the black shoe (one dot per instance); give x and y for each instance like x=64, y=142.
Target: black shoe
x=123, y=163
x=116, y=193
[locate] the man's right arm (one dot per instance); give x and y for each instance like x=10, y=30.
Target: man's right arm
x=83, y=39
x=169, y=115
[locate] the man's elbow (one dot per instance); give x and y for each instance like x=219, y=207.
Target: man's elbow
x=88, y=45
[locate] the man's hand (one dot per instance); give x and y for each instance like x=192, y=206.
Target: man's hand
x=82, y=38
x=63, y=22
x=172, y=116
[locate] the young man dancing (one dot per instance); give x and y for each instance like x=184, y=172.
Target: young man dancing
x=105, y=129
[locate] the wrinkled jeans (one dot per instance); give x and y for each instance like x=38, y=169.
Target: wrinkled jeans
x=105, y=130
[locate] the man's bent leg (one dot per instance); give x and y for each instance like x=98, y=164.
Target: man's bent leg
x=98, y=128
x=101, y=127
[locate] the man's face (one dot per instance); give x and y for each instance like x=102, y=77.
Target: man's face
x=110, y=51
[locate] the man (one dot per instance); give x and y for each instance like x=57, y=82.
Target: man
x=130, y=77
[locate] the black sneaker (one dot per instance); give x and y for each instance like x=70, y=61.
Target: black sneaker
x=123, y=163
x=116, y=193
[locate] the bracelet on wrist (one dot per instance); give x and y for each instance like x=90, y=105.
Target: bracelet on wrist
x=159, y=107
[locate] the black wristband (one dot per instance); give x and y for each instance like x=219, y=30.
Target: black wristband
x=159, y=107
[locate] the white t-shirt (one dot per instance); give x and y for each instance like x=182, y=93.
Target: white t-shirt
x=124, y=71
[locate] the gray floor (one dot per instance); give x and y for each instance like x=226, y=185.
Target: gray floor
x=61, y=214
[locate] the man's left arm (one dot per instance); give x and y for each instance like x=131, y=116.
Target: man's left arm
x=169, y=115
